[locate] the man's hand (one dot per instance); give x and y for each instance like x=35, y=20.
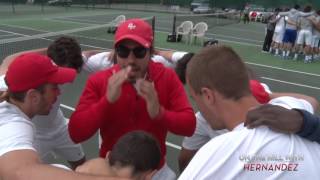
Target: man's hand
x=276, y=118
x=147, y=91
x=115, y=83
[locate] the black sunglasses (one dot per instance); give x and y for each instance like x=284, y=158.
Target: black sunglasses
x=123, y=51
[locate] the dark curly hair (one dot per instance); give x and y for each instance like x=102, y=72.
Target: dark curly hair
x=66, y=51
x=138, y=149
x=182, y=66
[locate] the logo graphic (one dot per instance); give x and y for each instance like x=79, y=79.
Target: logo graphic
x=131, y=26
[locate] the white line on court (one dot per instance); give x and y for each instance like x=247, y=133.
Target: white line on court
x=10, y=32
x=166, y=30
x=7, y=35
x=23, y=27
x=234, y=29
x=68, y=21
x=291, y=83
x=233, y=37
x=224, y=40
x=289, y=70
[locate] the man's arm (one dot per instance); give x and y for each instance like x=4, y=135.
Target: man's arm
x=89, y=53
x=301, y=122
x=166, y=54
x=9, y=59
x=316, y=24
x=25, y=164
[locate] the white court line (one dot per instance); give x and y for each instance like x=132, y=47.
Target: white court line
x=289, y=70
x=223, y=40
x=65, y=20
x=234, y=29
x=10, y=32
x=7, y=35
x=82, y=21
x=23, y=27
x=291, y=83
x=175, y=146
x=233, y=37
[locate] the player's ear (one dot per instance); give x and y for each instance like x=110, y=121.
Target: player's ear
x=208, y=95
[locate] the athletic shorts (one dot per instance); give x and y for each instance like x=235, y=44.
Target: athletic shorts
x=304, y=37
x=315, y=41
x=290, y=36
x=278, y=36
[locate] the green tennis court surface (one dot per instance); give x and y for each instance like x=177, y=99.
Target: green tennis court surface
x=28, y=30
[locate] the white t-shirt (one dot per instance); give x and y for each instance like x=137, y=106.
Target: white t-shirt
x=280, y=26
x=315, y=31
x=204, y=133
x=101, y=61
x=16, y=129
x=258, y=153
x=97, y=62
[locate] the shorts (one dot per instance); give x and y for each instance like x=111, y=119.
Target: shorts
x=315, y=41
x=59, y=144
x=278, y=36
x=290, y=36
x=304, y=37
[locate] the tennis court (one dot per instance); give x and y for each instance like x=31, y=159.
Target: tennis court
x=25, y=31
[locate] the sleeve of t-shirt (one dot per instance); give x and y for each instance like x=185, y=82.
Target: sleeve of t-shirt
x=176, y=56
x=16, y=136
x=3, y=85
x=162, y=60
x=201, y=136
x=292, y=103
x=97, y=62
x=311, y=126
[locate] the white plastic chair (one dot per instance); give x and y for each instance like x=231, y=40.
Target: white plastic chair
x=199, y=31
x=185, y=29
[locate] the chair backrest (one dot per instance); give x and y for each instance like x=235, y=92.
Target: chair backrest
x=118, y=20
x=186, y=26
x=200, y=28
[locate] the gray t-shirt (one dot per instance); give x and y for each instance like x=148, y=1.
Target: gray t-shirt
x=305, y=24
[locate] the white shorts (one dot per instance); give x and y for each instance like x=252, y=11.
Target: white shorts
x=59, y=144
x=164, y=173
x=304, y=36
x=315, y=41
x=278, y=36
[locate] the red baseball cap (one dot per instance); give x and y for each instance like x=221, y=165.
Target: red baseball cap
x=137, y=30
x=31, y=70
x=259, y=92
